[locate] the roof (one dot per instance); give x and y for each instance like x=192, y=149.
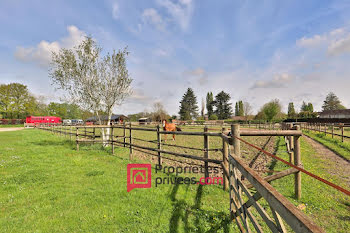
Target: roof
x=336, y=112
x=105, y=117
x=144, y=118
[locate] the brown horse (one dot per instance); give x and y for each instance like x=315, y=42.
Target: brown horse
x=170, y=127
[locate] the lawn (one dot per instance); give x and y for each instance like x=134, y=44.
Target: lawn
x=10, y=126
x=50, y=187
x=335, y=144
x=47, y=186
x=328, y=207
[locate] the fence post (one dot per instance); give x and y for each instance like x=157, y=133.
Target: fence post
x=225, y=161
x=77, y=138
x=159, y=139
x=332, y=130
x=130, y=132
x=124, y=139
x=206, y=151
x=297, y=162
x=291, y=144
x=93, y=134
x=236, y=142
x=112, y=139
x=342, y=132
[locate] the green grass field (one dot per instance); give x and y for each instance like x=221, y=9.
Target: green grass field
x=10, y=126
x=327, y=207
x=335, y=144
x=47, y=186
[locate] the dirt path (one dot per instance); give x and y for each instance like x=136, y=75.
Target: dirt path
x=338, y=166
x=11, y=129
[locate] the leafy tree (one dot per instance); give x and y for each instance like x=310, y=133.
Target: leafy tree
x=272, y=109
x=94, y=82
x=310, y=107
x=188, y=106
x=202, y=108
x=291, y=110
x=240, y=108
x=213, y=117
x=223, y=107
x=332, y=102
x=16, y=101
x=260, y=116
x=210, y=103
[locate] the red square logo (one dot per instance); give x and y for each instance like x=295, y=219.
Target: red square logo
x=139, y=176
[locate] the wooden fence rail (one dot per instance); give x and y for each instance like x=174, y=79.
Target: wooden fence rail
x=327, y=128
x=230, y=164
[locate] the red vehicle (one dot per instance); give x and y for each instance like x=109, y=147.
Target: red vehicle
x=35, y=120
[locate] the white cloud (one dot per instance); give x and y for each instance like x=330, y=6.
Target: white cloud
x=196, y=72
x=279, y=81
x=162, y=52
x=151, y=16
x=311, y=42
x=115, y=11
x=181, y=11
x=200, y=74
x=336, y=41
x=41, y=53
x=340, y=46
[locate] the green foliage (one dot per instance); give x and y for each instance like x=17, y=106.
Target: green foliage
x=307, y=114
x=291, y=110
x=66, y=111
x=239, y=108
x=210, y=103
x=199, y=121
x=332, y=102
x=223, y=107
x=213, y=117
x=310, y=107
x=16, y=101
x=188, y=106
x=272, y=110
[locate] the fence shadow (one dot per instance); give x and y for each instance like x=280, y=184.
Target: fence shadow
x=193, y=216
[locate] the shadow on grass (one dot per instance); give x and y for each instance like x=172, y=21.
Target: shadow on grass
x=259, y=152
x=193, y=216
x=278, y=148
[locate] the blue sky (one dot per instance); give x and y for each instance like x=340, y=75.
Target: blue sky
x=254, y=50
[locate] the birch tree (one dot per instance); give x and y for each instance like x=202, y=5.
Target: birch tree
x=90, y=80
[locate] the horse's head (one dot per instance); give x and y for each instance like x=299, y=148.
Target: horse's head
x=164, y=122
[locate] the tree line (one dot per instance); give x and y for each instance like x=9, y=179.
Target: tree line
x=16, y=102
x=219, y=107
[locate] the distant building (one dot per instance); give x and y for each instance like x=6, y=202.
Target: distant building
x=145, y=121
x=339, y=114
x=115, y=119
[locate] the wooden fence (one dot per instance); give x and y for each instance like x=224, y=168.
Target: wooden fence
x=231, y=164
x=328, y=128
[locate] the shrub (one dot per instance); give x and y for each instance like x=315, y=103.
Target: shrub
x=213, y=117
